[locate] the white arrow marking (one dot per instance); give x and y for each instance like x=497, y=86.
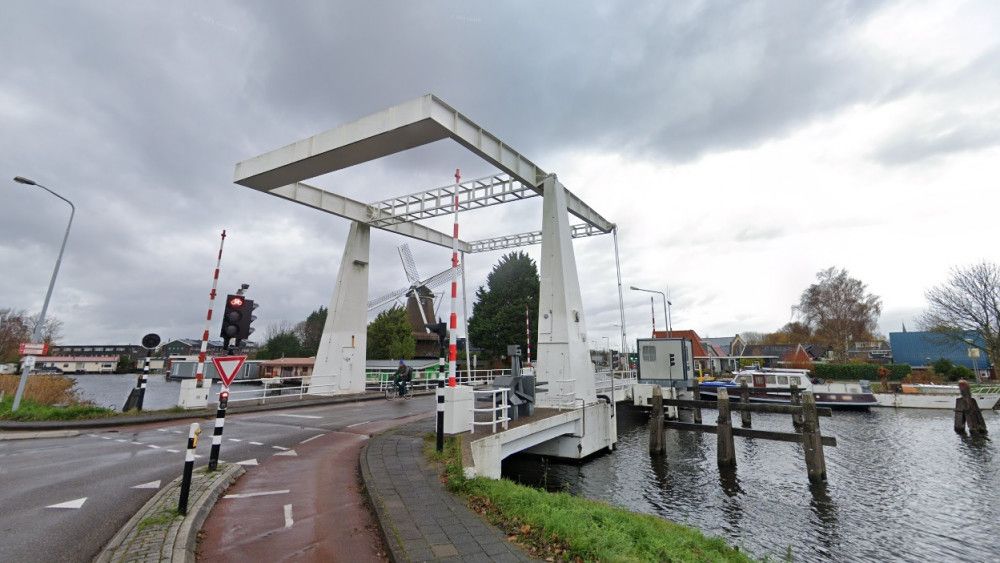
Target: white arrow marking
x=149, y=485
x=289, y=452
x=288, y=516
x=247, y=462
x=260, y=494
x=311, y=439
x=69, y=504
x=298, y=415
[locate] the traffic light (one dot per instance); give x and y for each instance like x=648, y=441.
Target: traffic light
x=248, y=317
x=223, y=399
x=672, y=361
x=233, y=316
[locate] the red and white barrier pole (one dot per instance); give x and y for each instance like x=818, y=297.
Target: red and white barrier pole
x=527, y=327
x=453, y=324
x=200, y=372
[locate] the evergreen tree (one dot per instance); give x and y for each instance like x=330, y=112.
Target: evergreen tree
x=310, y=331
x=282, y=343
x=390, y=336
x=498, y=314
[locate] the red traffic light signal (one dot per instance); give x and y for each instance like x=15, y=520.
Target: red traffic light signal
x=236, y=302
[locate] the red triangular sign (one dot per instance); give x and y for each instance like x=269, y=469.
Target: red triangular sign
x=228, y=367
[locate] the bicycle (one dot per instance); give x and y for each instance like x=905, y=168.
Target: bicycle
x=392, y=391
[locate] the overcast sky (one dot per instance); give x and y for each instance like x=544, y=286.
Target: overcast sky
x=741, y=147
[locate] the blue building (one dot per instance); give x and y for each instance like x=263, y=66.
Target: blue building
x=920, y=349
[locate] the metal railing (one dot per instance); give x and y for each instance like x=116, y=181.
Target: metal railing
x=493, y=395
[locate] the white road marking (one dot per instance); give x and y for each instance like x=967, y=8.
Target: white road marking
x=288, y=516
x=122, y=440
x=299, y=415
x=357, y=424
x=234, y=439
x=152, y=446
x=289, y=453
x=139, y=443
x=93, y=435
x=149, y=485
x=105, y=437
x=260, y=494
x=173, y=451
x=161, y=429
x=176, y=432
x=247, y=462
x=282, y=448
x=311, y=439
x=257, y=443
x=77, y=503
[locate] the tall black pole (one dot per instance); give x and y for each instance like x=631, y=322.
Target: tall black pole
x=182, y=503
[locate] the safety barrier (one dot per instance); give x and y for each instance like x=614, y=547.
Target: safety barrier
x=493, y=395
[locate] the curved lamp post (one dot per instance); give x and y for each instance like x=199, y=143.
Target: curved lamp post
x=36, y=335
x=666, y=309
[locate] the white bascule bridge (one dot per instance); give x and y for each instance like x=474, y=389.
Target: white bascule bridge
x=563, y=370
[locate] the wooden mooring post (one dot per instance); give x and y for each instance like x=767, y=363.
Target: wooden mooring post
x=745, y=405
x=656, y=429
x=696, y=395
x=796, y=399
x=812, y=442
x=724, y=445
x=967, y=412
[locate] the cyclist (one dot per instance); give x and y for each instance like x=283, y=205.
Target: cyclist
x=404, y=374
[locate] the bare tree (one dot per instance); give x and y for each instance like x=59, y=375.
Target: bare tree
x=969, y=302
x=838, y=309
x=16, y=326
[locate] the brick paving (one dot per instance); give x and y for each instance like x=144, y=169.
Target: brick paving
x=151, y=536
x=420, y=519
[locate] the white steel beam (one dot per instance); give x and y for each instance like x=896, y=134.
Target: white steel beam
x=527, y=239
x=472, y=194
x=405, y=126
x=348, y=208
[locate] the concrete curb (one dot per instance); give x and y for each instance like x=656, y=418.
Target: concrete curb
x=184, y=533
x=116, y=421
x=396, y=552
x=30, y=435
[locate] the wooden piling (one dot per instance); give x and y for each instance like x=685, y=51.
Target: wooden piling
x=745, y=405
x=725, y=448
x=796, y=400
x=812, y=442
x=696, y=395
x=967, y=412
x=656, y=430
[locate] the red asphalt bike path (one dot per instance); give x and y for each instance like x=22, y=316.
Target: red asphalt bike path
x=328, y=518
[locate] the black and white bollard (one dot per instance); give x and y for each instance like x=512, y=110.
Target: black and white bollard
x=220, y=422
x=182, y=504
x=440, y=416
x=141, y=384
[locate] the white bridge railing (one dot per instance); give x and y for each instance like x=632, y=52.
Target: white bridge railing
x=498, y=409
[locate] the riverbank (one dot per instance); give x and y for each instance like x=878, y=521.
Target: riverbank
x=565, y=527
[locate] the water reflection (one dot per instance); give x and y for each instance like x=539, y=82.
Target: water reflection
x=902, y=486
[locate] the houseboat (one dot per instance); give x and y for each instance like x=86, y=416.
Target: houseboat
x=923, y=396
x=769, y=385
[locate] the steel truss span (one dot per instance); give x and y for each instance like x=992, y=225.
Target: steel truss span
x=527, y=239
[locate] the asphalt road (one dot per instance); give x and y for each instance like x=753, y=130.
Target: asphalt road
x=104, y=466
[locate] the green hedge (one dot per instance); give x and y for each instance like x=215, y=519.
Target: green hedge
x=855, y=372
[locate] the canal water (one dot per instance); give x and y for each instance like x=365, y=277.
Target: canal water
x=111, y=390
x=902, y=486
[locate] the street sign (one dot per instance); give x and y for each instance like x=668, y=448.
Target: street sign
x=28, y=362
x=228, y=367
x=32, y=349
x=973, y=352
x=150, y=341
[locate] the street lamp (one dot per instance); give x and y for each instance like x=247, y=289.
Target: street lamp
x=37, y=333
x=666, y=305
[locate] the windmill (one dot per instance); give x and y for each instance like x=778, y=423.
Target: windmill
x=419, y=301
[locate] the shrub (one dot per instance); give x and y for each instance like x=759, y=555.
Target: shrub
x=943, y=366
x=961, y=372
x=859, y=371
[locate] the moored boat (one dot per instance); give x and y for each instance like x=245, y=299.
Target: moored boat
x=926, y=396
x=768, y=385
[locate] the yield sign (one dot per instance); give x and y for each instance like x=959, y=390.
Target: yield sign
x=228, y=367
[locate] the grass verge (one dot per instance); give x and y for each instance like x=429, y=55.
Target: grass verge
x=561, y=527
x=30, y=411
x=162, y=518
